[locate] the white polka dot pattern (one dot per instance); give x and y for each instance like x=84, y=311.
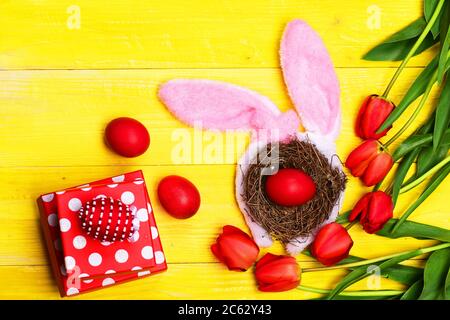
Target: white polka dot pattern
x=80, y=251
x=86, y=188
x=120, y=178
x=154, y=232
x=127, y=197
x=48, y=197
x=142, y=215
x=52, y=220
x=85, y=275
x=108, y=282
x=159, y=257
x=147, y=252
x=79, y=242
x=72, y=291
x=121, y=256
x=64, y=224
x=141, y=273
x=95, y=259
x=134, y=237
x=74, y=204
x=70, y=263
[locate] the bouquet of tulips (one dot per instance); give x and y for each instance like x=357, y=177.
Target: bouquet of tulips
x=371, y=161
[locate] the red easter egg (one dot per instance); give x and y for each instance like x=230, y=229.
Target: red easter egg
x=290, y=187
x=107, y=219
x=127, y=137
x=178, y=196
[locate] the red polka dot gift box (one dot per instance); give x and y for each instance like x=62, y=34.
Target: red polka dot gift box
x=101, y=233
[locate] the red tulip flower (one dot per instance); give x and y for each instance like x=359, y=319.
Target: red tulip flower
x=332, y=244
x=277, y=273
x=373, y=112
x=235, y=249
x=369, y=162
x=373, y=210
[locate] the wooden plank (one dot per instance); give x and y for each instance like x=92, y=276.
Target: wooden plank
x=106, y=34
x=180, y=282
x=60, y=115
x=22, y=244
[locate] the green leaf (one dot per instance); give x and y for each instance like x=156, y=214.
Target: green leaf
x=414, y=291
x=429, y=7
x=447, y=286
x=444, y=20
x=412, y=143
x=411, y=229
x=443, y=57
x=442, y=116
x=435, y=181
x=415, y=230
x=343, y=217
x=397, y=46
x=435, y=273
x=361, y=272
x=397, y=51
x=340, y=297
x=411, y=31
x=416, y=90
x=428, y=158
x=404, y=274
x=400, y=273
x=417, y=141
x=401, y=173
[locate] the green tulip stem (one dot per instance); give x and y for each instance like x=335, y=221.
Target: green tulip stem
x=351, y=224
x=343, y=217
x=423, y=177
x=365, y=293
x=416, y=252
x=416, y=112
x=415, y=47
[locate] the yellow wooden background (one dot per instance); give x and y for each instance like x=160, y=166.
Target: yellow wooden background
x=68, y=67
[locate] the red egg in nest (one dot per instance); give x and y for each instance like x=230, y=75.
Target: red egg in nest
x=127, y=137
x=290, y=187
x=178, y=196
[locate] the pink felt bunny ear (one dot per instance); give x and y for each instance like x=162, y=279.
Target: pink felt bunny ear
x=223, y=106
x=310, y=78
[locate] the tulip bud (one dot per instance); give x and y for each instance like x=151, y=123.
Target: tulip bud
x=369, y=162
x=373, y=112
x=374, y=209
x=277, y=273
x=235, y=249
x=332, y=244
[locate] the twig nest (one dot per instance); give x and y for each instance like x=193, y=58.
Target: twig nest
x=286, y=223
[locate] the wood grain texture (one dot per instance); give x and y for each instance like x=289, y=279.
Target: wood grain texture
x=52, y=123
x=60, y=115
x=184, y=241
x=199, y=34
x=205, y=280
